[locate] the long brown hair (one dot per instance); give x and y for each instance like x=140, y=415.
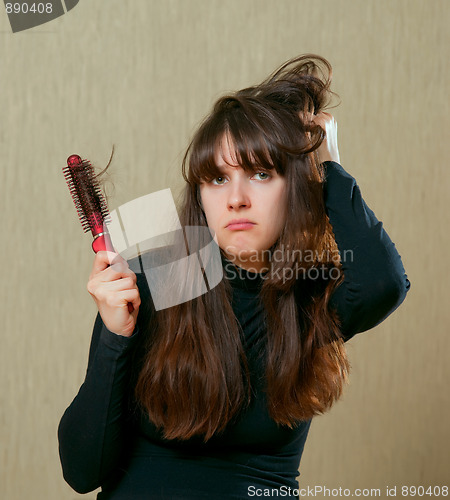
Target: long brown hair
x=193, y=377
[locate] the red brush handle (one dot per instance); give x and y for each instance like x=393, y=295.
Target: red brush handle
x=102, y=242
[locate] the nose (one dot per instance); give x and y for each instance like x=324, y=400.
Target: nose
x=238, y=196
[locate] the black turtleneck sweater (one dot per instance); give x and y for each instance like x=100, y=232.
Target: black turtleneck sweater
x=102, y=444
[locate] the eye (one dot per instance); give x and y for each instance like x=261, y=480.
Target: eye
x=218, y=181
x=262, y=175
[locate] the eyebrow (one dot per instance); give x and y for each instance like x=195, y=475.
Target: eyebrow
x=225, y=166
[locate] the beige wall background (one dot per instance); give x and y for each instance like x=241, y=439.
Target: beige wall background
x=141, y=75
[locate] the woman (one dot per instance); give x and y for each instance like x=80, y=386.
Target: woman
x=213, y=398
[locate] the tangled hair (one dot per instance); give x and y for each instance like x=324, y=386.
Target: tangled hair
x=193, y=378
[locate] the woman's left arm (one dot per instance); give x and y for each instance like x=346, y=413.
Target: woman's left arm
x=375, y=283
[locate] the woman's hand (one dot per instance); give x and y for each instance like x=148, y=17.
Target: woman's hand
x=328, y=150
x=115, y=292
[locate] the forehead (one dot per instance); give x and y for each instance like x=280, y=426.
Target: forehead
x=220, y=149
x=225, y=152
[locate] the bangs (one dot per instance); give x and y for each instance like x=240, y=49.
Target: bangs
x=248, y=143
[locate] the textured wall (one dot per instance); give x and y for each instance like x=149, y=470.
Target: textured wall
x=141, y=75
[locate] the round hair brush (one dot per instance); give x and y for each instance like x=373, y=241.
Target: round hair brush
x=89, y=201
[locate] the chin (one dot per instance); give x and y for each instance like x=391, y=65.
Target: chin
x=243, y=254
x=242, y=246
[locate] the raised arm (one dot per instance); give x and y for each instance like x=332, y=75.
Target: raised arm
x=375, y=283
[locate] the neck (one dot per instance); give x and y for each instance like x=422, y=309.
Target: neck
x=253, y=263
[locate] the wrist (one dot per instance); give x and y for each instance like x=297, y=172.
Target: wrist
x=329, y=156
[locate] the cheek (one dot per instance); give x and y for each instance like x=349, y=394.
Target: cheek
x=277, y=228
x=282, y=213
x=211, y=211
x=279, y=212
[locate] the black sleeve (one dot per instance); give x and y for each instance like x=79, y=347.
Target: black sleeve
x=375, y=283
x=93, y=429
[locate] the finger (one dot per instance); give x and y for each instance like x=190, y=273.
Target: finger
x=306, y=116
x=114, y=273
x=109, y=264
x=322, y=118
x=104, y=259
x=108, y=292
x=123, y=298
x=127, y=283
x=318, y=119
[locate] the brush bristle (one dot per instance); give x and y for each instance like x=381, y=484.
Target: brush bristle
x=86, y=193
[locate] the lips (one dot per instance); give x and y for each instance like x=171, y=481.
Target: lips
x=239, y=224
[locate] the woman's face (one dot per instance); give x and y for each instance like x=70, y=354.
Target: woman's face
x=246, y=211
